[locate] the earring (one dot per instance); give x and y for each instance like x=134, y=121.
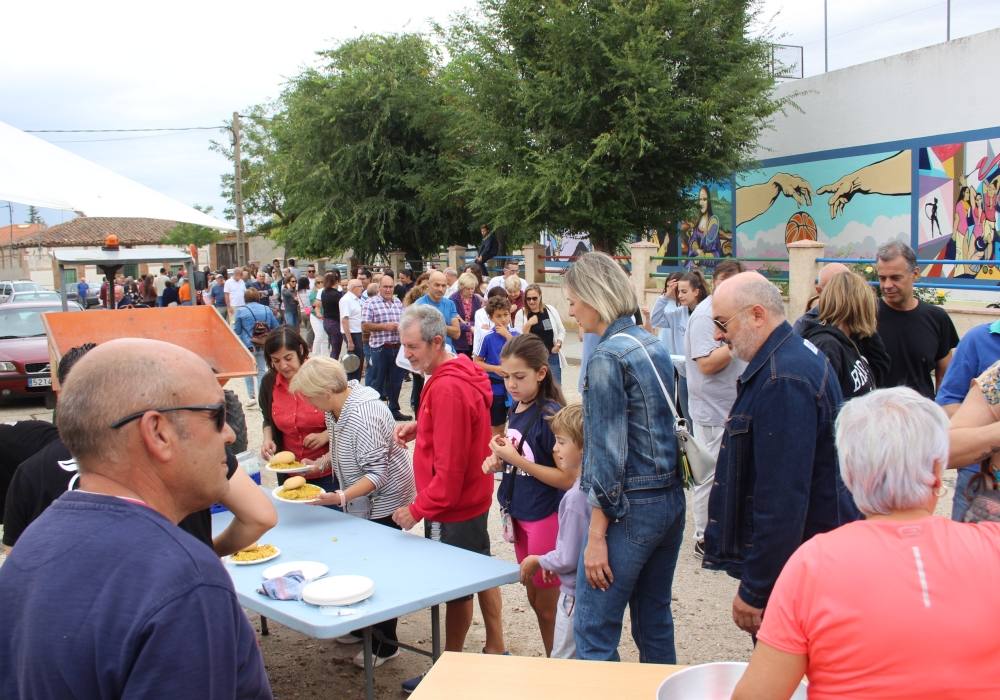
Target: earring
x=941, y=490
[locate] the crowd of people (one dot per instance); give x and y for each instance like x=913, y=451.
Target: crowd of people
x=830, y=441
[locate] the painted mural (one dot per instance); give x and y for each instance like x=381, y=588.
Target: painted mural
x=959, y=207
x=706, y=230
x=853, y=204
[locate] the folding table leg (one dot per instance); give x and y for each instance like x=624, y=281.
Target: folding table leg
x=435, y=632
x=263, y=627
x=369, y=665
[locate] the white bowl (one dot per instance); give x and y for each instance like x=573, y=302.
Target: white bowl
x=714, y=681
x=338, y=590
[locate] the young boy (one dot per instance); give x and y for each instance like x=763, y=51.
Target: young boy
x=498, y=309
x=574, y=519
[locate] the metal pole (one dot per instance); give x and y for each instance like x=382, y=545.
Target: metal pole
x=826, y=42
x=238, y=192
x=947, y=33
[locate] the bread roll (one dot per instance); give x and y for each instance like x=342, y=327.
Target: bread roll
x=285, y=457
x=294, y=482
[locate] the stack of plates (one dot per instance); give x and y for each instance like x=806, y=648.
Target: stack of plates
x=338, y=590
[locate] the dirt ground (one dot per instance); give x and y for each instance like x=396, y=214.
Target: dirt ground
x=300, y=667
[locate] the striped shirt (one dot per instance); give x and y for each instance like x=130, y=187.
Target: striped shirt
x=378, y=310
x=361, y=446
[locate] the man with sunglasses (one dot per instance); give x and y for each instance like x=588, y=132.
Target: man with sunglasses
x=103, y=586
x=777, y=482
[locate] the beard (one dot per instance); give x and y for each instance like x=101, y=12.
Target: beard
x=746, y=344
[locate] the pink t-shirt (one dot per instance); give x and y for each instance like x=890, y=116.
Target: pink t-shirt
x=908, y=610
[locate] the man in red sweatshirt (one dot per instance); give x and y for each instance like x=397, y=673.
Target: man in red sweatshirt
x=452, y=434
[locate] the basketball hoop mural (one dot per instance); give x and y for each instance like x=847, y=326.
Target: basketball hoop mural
x=801, y=227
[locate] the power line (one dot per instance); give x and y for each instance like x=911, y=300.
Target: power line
x=105, y=131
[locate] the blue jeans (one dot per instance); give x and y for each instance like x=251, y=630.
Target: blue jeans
x=386, y=376
x=258, y=355
x=292, y=319
x=960, y=504
x=555, y=369
x=642, y=554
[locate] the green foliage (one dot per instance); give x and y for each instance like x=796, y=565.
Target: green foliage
x=363, y=147
x=33, y=216
x=192, y=234
x=599, y=116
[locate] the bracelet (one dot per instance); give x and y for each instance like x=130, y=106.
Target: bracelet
x=343, y=498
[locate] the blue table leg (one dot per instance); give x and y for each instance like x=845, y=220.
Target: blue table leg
x=369, y=665
x=435, y=632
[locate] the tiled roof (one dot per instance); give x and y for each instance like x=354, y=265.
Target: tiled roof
x=91, y=231
x=21, y=231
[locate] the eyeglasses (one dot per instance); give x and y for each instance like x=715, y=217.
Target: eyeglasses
x=531, y=298
x=217, y=411
x=723, y=325
x=311, y=272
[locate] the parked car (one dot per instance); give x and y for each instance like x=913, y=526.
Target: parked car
x=34, y=295
x=93, y=295
x=8, y=287
x=24, y=352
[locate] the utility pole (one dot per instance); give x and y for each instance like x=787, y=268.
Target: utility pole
x=947, y=34
x=241, y=258
x=826, y=42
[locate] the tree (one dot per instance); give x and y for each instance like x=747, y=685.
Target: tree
x=34, y=217
x=362, y=145
x=193, y=234
x=600, y=116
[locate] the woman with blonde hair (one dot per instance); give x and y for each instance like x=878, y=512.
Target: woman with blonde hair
x=630, y=471
x=544, y=321
x=374, y=473
x=845, y=330
x=467, y=303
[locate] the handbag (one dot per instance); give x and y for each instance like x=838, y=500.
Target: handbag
x=983, y=495
x=506, y=521
x=697, y=463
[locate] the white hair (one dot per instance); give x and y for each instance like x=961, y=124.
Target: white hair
x=430, y=319
x=763, y=292
x=887, y=443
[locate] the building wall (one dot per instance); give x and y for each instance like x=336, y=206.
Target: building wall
x=875, y=152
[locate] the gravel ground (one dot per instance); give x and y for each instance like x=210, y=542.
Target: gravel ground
x=300, y=667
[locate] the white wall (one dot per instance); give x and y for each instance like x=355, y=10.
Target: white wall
x=935, y=90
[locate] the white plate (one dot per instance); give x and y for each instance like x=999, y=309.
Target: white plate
x=310, y=569
x=338, y=590
x=292, y=500
x=255, y=561
x=296, y=470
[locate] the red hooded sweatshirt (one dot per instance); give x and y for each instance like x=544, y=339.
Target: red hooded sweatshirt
x=453, y=435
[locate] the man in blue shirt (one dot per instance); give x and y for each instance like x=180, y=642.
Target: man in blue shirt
x=437, y=285
x=218, y=293
x=82, y=289
x=162, y=619
x=977, y=351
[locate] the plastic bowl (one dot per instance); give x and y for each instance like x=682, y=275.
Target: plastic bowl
x=714, y=681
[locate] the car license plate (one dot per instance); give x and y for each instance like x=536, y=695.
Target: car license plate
x=39, y=381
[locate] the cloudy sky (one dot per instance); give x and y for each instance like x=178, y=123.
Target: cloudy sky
x=111, y=65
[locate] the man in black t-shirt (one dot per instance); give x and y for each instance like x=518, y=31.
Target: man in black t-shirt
x=919, y=337
x=18, y=441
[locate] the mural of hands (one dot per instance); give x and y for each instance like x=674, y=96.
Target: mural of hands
x=842, y=190
x=889, y=176
x=754, y=200
x=793, y=186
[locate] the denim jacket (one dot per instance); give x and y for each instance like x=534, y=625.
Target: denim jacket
x=629, y=435
x=776, y=481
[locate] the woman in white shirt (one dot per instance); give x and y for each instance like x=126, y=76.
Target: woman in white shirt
x=544, y=321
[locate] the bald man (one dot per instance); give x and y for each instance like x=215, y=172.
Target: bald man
x=351, y=315
x=104, y=586
x=872, y=347
x=437, y=285
x=776, y=481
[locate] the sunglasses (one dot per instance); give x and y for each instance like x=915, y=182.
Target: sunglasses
x=217, y=412
x=531, y=298
x=723, y=325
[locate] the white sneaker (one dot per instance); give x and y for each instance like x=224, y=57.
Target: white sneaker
x=349, y=639
x=359, y=658
x=251, y=403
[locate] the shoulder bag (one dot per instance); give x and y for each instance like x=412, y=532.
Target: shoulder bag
x=698, y=464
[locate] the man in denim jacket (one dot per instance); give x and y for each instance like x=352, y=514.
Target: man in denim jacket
x=777, y=483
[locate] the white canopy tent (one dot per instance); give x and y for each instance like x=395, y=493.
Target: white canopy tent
x=34, y=172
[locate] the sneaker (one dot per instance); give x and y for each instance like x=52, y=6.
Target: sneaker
x=349, y=639
x=359, y=659
x=699, y=548
x=401, y=416
x=410, y=684
x=251, y=402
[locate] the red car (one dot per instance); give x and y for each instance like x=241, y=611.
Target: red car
x=24, y=352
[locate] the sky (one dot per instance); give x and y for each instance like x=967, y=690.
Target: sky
x=109, y=65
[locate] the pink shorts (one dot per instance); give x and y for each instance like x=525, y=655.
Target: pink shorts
x=536, y=537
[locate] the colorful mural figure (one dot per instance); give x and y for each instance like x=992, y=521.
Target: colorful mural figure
x=868, y=205
x=959, y=184
x=707, y=231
